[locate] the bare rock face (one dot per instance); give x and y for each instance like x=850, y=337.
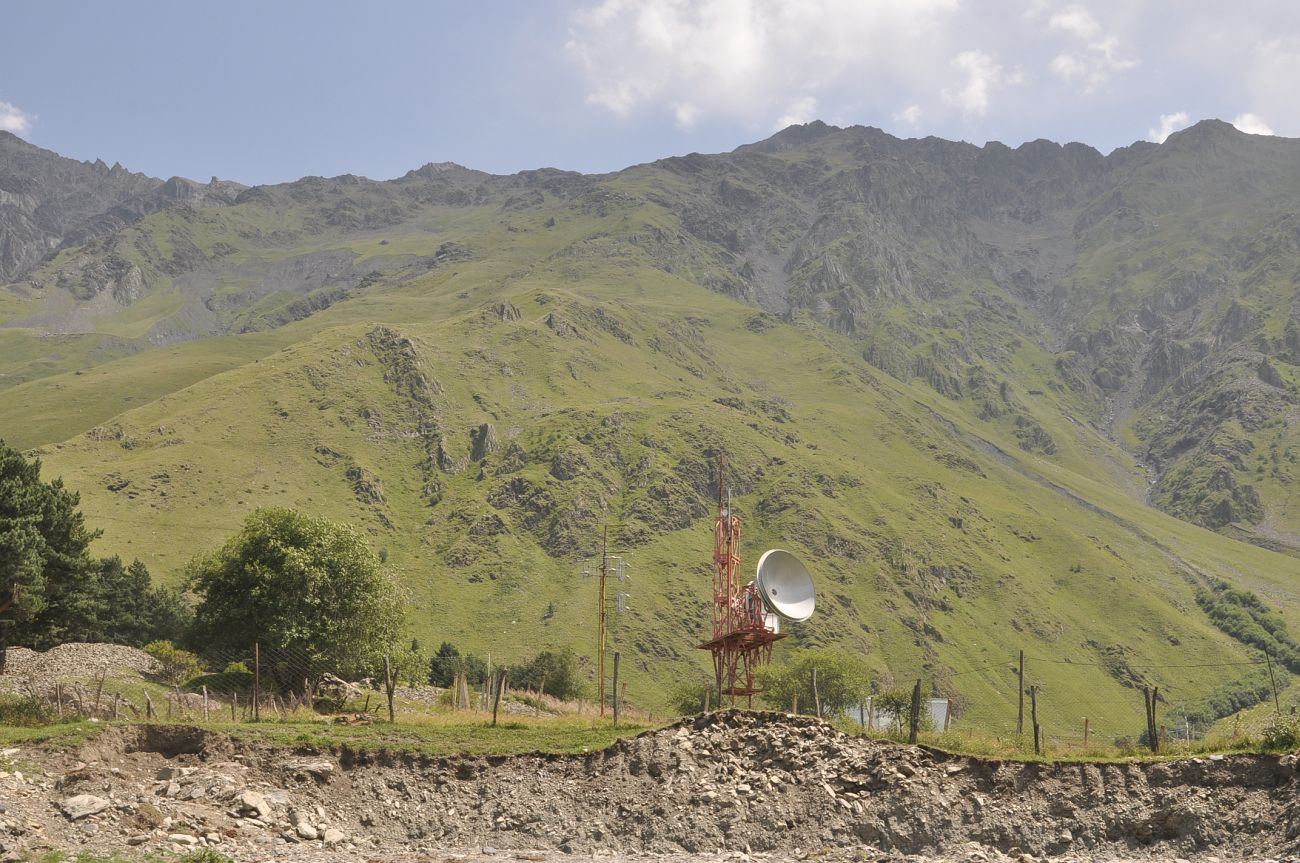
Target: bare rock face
x=484, y=442
x=507, y=312
x=48, y=202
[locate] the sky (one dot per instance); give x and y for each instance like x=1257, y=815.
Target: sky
x=264, y=92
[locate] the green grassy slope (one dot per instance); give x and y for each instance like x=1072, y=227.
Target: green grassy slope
x=930, y=552
x=483, y=371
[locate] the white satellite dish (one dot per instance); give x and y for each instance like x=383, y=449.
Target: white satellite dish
x=785, y=586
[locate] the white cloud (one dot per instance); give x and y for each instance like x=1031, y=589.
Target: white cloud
x=1169, y=123
x=911, y=115
x=1075, y=20
x=1096, y=54
x=798, y=112
x=1252, y=124
x=982, y=74
x=12, y=119
x=759, y=61
x=1270, y=87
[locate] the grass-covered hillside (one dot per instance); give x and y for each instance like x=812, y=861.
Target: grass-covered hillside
x=896, y=343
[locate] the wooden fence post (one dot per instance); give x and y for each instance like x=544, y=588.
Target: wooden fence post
x=1085, y=731
x=1154, y=732
x=496, y=699
x=1033, y=715
x=1277, y=707
x=257, y=681
x=234, y=707
x=616, y=699
x=99, y=690
x=206, y=717
x=1020, y=709
x=914, y=726
x=148, y=706
x=389, y=685
x=817, y=699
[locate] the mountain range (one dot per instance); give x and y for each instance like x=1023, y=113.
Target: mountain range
x=1037, y=398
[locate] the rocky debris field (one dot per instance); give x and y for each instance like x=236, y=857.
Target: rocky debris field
x=745, y=785
x=75, y=660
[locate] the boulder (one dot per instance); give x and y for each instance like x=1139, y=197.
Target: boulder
x=83, y=806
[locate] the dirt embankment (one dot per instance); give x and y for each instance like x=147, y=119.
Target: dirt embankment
x=762, y=784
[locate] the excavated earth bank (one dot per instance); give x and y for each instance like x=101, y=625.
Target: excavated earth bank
x=722, y=784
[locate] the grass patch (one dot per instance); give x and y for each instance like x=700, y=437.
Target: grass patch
x=59, y=735
x=443, y=736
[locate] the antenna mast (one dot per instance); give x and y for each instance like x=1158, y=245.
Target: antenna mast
x=742, y=639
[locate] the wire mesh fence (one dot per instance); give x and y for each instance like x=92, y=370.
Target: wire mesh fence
x=263, y=682
x=1052, y=704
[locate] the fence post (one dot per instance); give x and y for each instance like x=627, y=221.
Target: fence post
x=794, y=704
x=616, y=699
x=862, y=716
x=871, y=712
x=915, y=726
x=817, y=699
x=496, y=699
x=389, y=685
x=99, y=690
x=1153, y=736
x=1155, y=725
x=1085, y=731
x=206, y=717
x=1020, y=688
x=148, y=706
x=1033, y=716
x=234, y=707
x=257, y=681
x=1272, y=680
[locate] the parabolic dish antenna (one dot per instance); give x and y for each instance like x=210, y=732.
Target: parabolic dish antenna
x=785, y=586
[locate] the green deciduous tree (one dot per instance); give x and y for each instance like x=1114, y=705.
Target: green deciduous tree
x=842, y=680
x=304, y=587
x=176, y=666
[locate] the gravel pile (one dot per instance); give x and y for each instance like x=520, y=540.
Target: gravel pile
x=75, y=660
x=727, y=785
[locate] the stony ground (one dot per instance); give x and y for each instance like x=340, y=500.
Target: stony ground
x=726, y=785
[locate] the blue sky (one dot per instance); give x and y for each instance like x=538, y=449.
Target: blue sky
x=270, y=91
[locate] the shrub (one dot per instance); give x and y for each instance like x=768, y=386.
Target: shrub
x=178, y=666
x=24, y=711
x=842, y=681
x=1281, y=733
x=687, y=697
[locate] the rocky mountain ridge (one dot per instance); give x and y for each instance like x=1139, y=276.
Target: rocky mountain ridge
x=49, y=203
